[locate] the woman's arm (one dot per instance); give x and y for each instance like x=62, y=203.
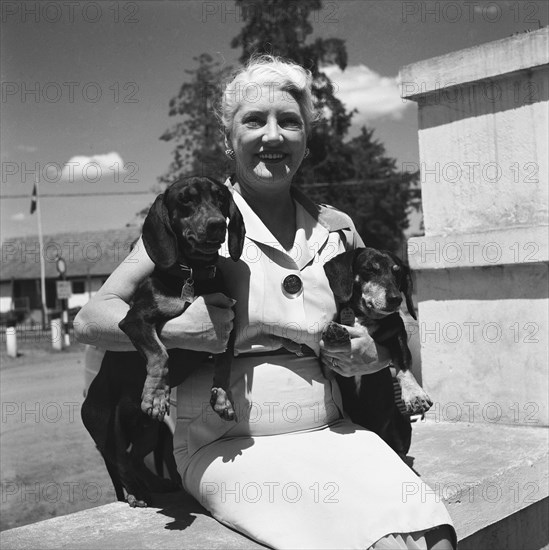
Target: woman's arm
x=204, y=326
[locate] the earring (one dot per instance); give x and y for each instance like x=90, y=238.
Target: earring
x=230, y=153
x=307, y=151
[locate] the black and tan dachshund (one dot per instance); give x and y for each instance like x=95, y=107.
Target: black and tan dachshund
x=182, y=234
x=368, y=284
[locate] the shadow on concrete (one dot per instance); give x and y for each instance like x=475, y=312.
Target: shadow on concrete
x=490, y=96
x=521, y=282
x=527, y=529
x=180, y=506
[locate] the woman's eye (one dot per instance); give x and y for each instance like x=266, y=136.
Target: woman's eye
x=253, y=121
x=291, y=123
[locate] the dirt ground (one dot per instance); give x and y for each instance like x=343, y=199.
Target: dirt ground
x=49, y=465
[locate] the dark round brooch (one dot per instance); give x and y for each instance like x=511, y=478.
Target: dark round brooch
x=292, y=286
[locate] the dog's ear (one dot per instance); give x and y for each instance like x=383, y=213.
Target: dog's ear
x=407, y=288
x=236, y=230
x=158, y=236
x=339, y=271
x=406, y=284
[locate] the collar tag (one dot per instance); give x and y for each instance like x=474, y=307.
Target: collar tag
x=187, y=292
x=347, y=316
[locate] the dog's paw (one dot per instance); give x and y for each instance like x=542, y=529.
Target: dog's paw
x=335, y=335
x=414, y=399
x=135, y=502
x=155, y=399
x=221, y=404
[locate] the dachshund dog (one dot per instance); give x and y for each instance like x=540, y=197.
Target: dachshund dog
x=367, y=284
x=182, y=234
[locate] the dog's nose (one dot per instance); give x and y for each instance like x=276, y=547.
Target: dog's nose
x=215, y=229
x=394, y=301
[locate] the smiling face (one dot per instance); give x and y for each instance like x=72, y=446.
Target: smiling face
x=268, y=136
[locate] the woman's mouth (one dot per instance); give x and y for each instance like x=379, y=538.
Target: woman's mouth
x=271, y=157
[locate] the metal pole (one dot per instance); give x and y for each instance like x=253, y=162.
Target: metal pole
x=42, y=263
x=65, y=317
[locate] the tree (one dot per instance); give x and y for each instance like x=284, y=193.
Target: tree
x=379, y=197
x=199, y=141
x=281, y=27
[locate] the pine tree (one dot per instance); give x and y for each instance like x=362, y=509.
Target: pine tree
x=198, y=137
x=379, y=197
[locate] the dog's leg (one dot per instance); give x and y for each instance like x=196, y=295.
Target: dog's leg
x=220, y=398
x=163, y=454
x=115, y=478
x=414, y=399
x=145, y=440
x=125, y=416
x=379, y=413
x=97, y=416
x=155, y=400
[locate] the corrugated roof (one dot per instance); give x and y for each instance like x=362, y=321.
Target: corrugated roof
x=87, y=253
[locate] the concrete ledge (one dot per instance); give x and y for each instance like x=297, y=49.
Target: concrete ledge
x=177, y=522
x=520, y=52
x=485, y=473
x=488, y=475
x=517, y=245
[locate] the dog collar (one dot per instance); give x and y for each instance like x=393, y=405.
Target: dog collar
x=200, y=273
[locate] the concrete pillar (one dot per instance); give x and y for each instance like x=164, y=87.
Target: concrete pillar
x=11, y=341
x=481, y=268
x=56, y=334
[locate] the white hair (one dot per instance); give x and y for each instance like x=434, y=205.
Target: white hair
x=272, y=72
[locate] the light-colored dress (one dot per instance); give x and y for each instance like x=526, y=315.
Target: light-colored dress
x=293, y=472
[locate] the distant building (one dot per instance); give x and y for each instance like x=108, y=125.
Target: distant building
x=90, y=258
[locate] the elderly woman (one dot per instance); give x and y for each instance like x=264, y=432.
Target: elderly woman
x=293, y=472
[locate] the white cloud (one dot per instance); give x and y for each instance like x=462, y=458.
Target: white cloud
x=92, y=169
x=373, y=95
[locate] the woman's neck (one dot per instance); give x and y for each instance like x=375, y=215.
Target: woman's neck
x=276, y=210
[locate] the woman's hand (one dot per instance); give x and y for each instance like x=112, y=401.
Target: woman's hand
x=204, y=326
x=359, y=355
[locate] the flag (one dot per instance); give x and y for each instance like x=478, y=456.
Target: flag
x=34, y=198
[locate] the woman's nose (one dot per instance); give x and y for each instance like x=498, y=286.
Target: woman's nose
x=272, y=132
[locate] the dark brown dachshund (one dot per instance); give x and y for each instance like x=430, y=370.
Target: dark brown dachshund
x=182, y=234
x=368, y=284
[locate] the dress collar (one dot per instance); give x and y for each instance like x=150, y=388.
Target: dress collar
x=313, y=223
x=331, y=218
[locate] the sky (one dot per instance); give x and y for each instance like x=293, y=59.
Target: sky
x=86, y=89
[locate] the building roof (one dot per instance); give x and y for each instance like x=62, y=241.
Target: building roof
x=90, y=253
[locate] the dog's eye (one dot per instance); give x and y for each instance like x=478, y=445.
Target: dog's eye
x=185, y=198
x=396, y=268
